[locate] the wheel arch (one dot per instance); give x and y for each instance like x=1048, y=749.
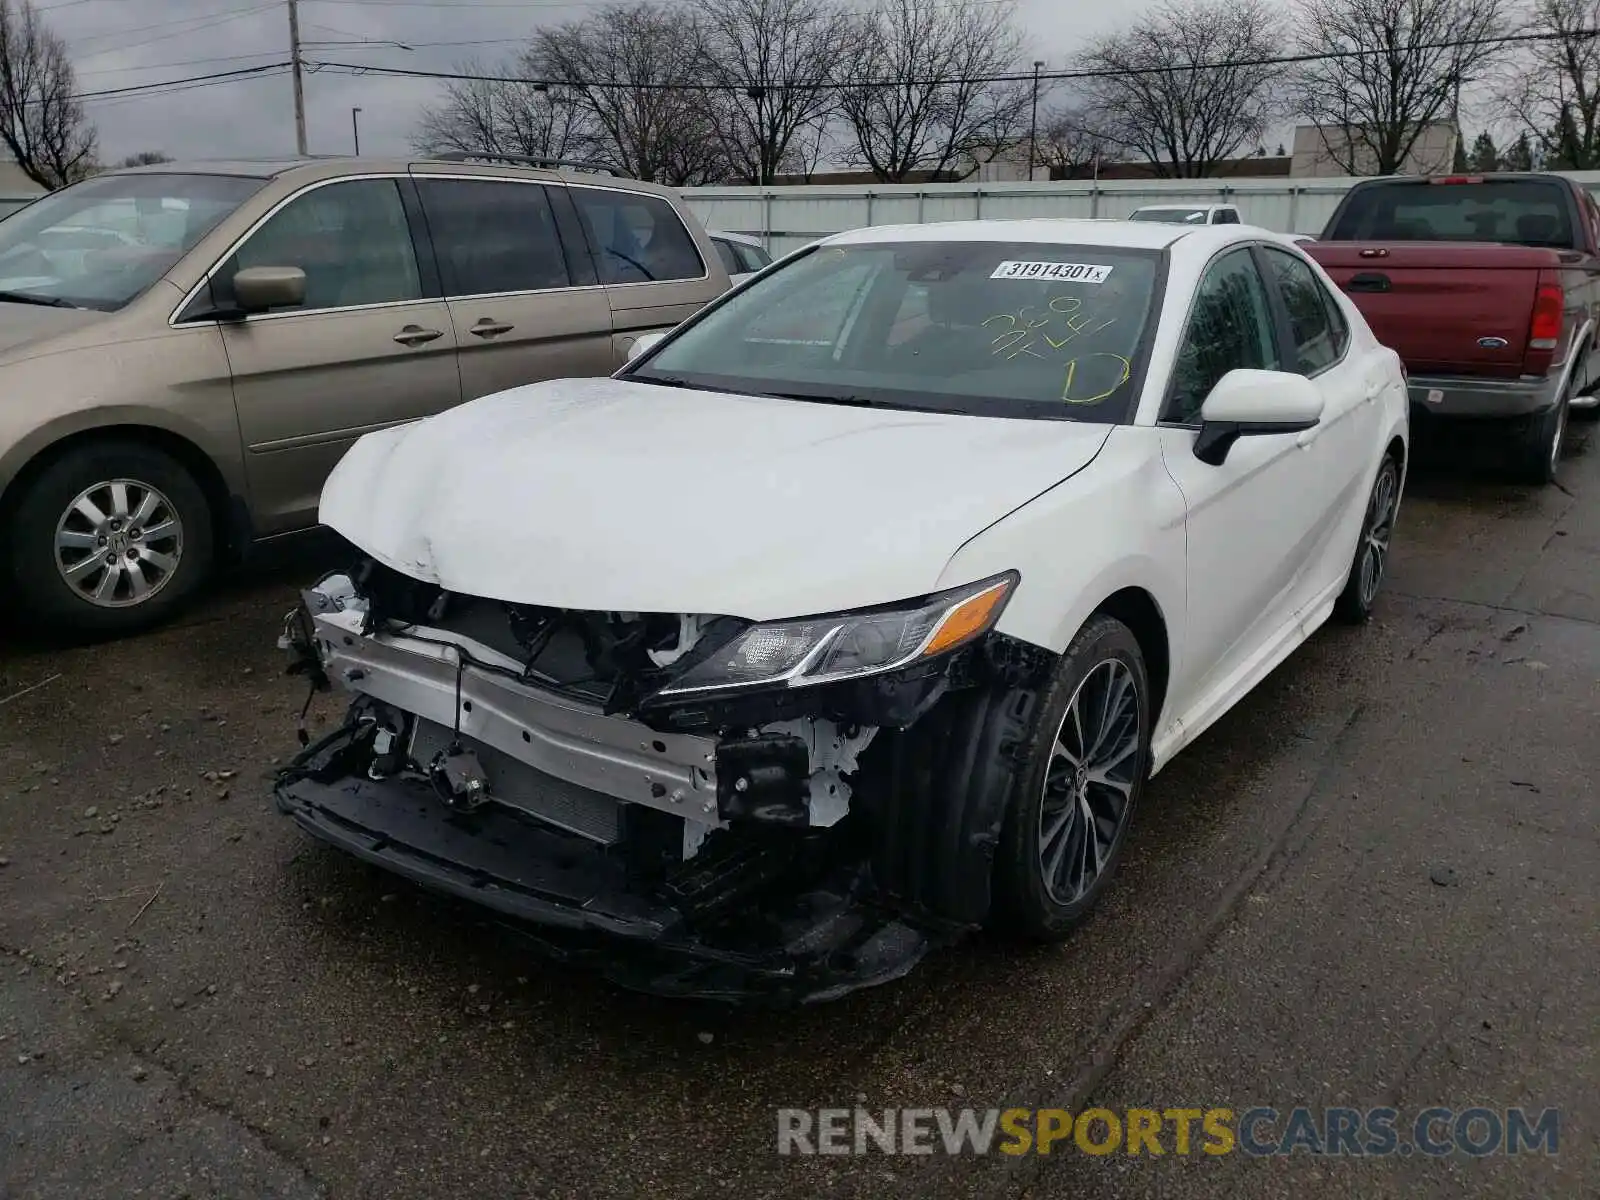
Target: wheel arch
x=213, y=484
x=1139, y=610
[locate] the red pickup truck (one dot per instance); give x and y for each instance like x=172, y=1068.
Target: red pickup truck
x=1488, y=287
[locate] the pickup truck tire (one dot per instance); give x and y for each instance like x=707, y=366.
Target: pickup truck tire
x=1540, y=438
x=110, y=537
x=1355, y=603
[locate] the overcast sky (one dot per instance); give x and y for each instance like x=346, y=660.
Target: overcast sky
x=118, y=43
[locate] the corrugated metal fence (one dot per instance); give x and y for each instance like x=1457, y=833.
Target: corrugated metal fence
x=789, y=217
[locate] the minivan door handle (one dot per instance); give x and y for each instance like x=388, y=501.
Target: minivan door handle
x=488, y=328
x=416, y=335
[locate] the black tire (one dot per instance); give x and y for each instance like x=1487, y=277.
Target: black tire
x=1354, y=605
x=1026, y=905
x=1540, y=439
x=181, y=520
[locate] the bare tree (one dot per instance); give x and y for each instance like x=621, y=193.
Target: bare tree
x=1067, y=141
x=507, y=111
x=1188, y=84
x=1553, y=86
x=773, y=65
x=42, y=123
x=1391, y=69
x=917, y=91
x=633, y=68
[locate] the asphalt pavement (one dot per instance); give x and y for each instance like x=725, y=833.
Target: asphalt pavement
x=1376, y=883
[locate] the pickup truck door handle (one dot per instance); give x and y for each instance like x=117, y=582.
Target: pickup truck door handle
x=416, y=335
x=1368, y=281
x=487, y=328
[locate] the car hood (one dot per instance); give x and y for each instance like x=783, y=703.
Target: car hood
x=610, y=495
x=24, y=325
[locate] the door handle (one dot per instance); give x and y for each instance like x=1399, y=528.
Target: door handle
x=416, y=335
x=488, y=328
x=1370, y=281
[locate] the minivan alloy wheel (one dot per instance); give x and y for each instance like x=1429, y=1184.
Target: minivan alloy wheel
x=119, y=543
x=1092, y=771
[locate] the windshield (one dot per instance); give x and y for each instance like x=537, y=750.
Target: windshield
x=1522, y=212
x=985, y=328
x=1173, y=216
x=100, y=243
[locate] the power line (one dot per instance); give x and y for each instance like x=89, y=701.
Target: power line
x=1008, y=77
x=210, y=21
x=213, y=77
x=185, y=62
x=275, y=72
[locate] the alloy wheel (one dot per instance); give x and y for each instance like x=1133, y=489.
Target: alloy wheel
x=1089, y=781
x=119, y=543
x=1380, y=526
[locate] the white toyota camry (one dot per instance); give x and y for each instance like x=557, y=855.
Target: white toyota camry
x=857, y=611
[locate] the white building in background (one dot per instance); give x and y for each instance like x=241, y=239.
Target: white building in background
x=1433, y=154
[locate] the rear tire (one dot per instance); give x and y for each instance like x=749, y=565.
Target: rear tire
x=1540, y=440
x=109, y=538
x=1356, y=602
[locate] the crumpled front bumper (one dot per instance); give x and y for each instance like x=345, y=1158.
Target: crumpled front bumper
x=575, y=902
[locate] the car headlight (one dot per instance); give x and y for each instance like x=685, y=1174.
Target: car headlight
x=849, y=645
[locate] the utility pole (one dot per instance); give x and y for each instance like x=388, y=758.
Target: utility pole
x=355, y=128
x=296, y=64
x=1033, y=122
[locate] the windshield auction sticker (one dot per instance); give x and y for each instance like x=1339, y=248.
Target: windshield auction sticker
x=1067, y=272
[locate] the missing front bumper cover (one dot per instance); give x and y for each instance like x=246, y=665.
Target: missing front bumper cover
x=750, y=920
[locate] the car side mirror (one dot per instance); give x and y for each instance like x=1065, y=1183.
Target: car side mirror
x=1248, y=403
x=644, y=342
x=257, y=289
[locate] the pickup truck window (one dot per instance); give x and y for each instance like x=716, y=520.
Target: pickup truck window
x=1522, y=212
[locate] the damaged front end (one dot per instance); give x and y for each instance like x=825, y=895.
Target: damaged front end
x=702, y=805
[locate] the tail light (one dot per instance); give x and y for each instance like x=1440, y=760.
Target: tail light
x=1548, y=305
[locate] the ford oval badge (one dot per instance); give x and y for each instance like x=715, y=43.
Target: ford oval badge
x=1493, y=343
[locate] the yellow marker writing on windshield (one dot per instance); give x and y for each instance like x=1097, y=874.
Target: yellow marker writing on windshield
x=1072, y=374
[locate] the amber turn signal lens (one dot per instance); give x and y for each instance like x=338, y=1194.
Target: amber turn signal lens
x=968, y=619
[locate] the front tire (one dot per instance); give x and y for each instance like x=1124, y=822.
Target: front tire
x=109, y=538
x=1083, y=773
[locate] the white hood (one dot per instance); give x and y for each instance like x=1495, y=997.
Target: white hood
x=608, y=495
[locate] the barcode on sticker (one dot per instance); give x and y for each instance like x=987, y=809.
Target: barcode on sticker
x=1065, y=272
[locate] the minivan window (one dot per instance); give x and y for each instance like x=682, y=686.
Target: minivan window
x=493, y=237
x=636, y=238
x=100, y=243
x=1009, y=329
x=753, y=257
x=351, y=239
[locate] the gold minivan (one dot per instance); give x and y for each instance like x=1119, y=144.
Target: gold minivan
x=186, y=351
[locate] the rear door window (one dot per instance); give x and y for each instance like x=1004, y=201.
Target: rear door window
x=493, y=237
x=753, y=256
x=1318, y=342
x=636, y=238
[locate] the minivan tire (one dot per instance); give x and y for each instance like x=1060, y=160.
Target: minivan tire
x=144, y=478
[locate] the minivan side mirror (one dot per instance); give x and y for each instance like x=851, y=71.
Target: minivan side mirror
x=257, y=289
x=1250, y=403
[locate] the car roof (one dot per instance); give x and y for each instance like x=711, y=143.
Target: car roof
x=745, y=238
x=334, y=166
x=1066, y=231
